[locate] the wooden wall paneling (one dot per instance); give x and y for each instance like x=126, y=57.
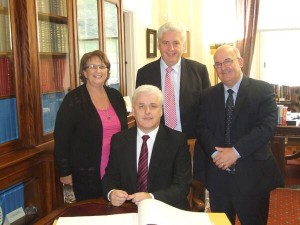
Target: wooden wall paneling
x=278, y=146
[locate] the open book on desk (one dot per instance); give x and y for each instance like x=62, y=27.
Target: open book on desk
x=150, y=212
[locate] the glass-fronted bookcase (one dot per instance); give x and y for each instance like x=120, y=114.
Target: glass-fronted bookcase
x=53, y=46
x=36, y=71
x=8, y=107
x=41, y=64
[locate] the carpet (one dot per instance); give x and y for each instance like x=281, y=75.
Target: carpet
x=284, y=206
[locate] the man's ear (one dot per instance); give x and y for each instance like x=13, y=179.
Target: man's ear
x=241, y=61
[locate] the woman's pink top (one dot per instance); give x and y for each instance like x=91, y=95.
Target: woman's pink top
x=111, y=125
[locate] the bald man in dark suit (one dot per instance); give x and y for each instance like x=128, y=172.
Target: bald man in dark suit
x=240, y=168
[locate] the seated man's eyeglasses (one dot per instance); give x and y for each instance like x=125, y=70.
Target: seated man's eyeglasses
x=95, y=67
x=227, y=62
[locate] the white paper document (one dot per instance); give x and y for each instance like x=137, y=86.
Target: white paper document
x=117, y=219
x=150, y=211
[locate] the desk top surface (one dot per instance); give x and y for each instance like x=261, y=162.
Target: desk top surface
x=102, y=207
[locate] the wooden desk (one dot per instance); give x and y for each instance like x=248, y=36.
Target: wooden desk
x=86, y=208
x=280, y=141
x=101, y=207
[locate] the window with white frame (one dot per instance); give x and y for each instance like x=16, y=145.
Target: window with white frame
x=277, y=49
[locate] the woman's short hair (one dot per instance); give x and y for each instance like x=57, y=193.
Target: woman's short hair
x=84, y=62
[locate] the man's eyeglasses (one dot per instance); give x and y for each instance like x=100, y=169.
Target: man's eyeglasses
x=95, y=67
x=227, y=62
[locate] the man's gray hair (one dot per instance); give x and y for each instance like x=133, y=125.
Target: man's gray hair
x=169, y=26
x=148, y=89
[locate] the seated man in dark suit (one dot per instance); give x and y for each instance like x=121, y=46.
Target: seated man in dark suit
x=167, y=174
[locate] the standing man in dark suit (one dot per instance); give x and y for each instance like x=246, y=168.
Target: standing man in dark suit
x=241, y=171
x=169, y=165
x=189, y=77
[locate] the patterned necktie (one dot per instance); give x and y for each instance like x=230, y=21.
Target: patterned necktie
x=228, y=117
x=229, y=112
x=170, y=109
x=143, y=167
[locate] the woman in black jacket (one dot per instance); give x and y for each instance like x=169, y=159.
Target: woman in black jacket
x=88, y=116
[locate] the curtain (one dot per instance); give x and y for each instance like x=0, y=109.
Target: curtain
x=247, y=17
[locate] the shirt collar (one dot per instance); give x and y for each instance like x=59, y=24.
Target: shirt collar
x=236, y=87
x=175, y=67
x=151, y=134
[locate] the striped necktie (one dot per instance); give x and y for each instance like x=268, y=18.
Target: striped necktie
x=170, y=108
x=143, y=167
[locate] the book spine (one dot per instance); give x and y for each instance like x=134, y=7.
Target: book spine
x=2, y=33
x=279, y=107
x=284, y=114
x=7, y=34
x=2, y=79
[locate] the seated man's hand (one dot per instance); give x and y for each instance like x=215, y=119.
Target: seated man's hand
x=139, y=196
x=118, y=197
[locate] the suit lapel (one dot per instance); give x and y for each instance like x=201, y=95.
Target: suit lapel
x=157, y=75
x=241, y=96
x=219, y=104
x=159, y=148
x=131, y=156
x=183, y=83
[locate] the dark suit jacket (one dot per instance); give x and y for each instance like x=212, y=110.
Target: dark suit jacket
x=194, y=79
x=254, y=122
x=169, y=176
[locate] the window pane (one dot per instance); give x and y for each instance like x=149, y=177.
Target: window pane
x=279, y=14
x=87, y=21
x=280, y=55
x=112, y=44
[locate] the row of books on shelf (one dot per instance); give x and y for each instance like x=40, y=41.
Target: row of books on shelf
x=282, y=114
x=3, y=3
x=53, y=74
x=11, y=198
x=8, y=120
x=5, y=40
x=53, y=37
x=57, y=7
x=6, y=78
x=50, y=104
x=282, y=92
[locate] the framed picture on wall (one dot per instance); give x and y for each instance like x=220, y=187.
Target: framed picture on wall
x=186, y=50
x=151, y=43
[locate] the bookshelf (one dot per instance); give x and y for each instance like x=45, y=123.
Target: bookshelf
x=39, y=62
x=282, y=92
x=53, y=58
x=8, y=115
x=288, y=96
x=36, y=71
